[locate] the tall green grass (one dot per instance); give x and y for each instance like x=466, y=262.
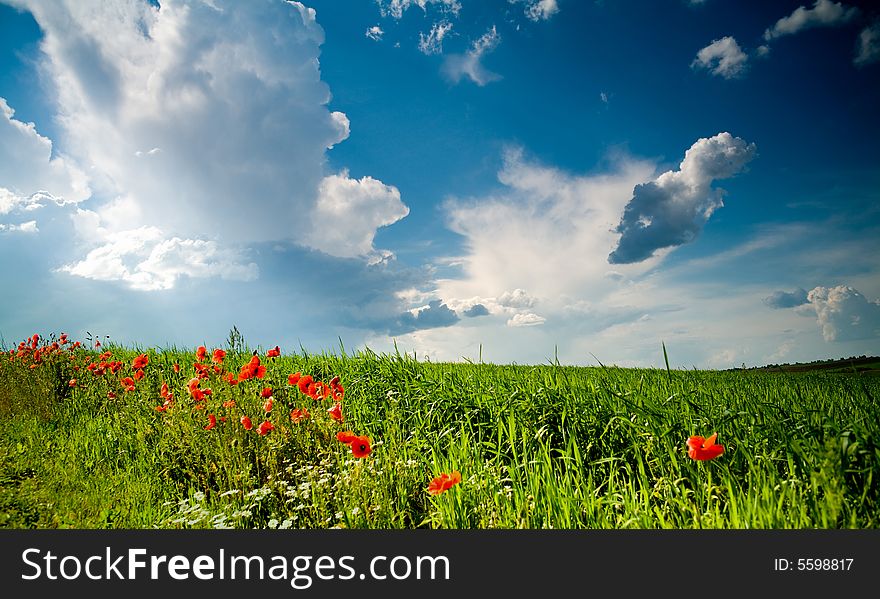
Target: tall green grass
x=538, y=447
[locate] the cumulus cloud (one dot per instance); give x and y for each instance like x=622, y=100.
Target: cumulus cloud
x=396, y=8
x=476, y=310
x=538, y=10
x=844, y=314
x=231, y=94
x=435, y=315
x=868, y=45
x=527, y=319
x=672, y=209
x=469, y=64
x=824, y=13
x=348, y=212
x=375, y=33
x=517, y=298
x=433, y=42
x=29, y=175
x=723, y=57
x=25, y=227
x=786, y=299
x=147, y=261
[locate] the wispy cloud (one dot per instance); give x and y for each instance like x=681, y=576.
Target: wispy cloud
x=723, y=57
x=469, y=64
x=824, y=13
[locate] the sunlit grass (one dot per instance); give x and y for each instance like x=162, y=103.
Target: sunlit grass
x=537, y=446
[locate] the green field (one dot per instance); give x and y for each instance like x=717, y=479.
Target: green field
x=546, y=446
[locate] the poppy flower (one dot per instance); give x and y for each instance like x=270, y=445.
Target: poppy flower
x=360, y=447
x=201, y=353
x=266, y=392
x=265, y=427
x=336, y=412
x=128, y=383
x=274, y=352
x=138, y=375
x=297, y=414
x=246, y=423
x=267, y=407
x=444, y=482
x=293, y=379
x=72, y=383
x=163, y=392
x=345, y=437
x=229, y=403
x=212, y=422
x=217, y=356
x=105, y=356
x=231, y=378
x=140, y=362
x=704, y=449
x=252, y=369
x=304, y=382
x=176, y=368
x=111, y=395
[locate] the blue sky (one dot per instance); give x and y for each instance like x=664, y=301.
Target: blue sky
x=521, y=178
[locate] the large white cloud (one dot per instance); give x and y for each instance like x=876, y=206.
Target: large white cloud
x=824, y=13
x=29, y=173
x=672, y=209
x=723, y=57
x=844, y=314
x=349, y=211
x=210, y=118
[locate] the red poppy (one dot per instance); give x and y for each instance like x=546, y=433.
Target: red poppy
x=231, y=379
x=72, y=383
x=704, y=449
x=128, y=383
x=201, y=353
x=138, y=375
x=304, y=382
x=229, y=403
x=163, y=392
x=444, y=482
x=176, y=368
x=252, y=369
x=217, y=356
x=140, y=362
x=163, y=407
x=345, y=437
x=297, y=414
x=293, y=379
x=336, y=412
x=246, y=423
x=360, y=447
x=212, y=422
x=265, y=427
x=267, y=407
x=273, y=353
x=111, y=395
x=266, y=392
x=105, y=356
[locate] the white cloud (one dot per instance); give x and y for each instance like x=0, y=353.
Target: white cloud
x=375, y=33
x=433, y=42
x=348, y=212
x=29, y=174
x=517, y=298
x=527, y=319
x=868, y=49
x=723, y=57
x=231, y=94
x=845, y=314
x=396, y=8
x=147, y=261
x=824, y=13
x=469, y=64
x=672, y=209
x=538, y=10
x=25, y=227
